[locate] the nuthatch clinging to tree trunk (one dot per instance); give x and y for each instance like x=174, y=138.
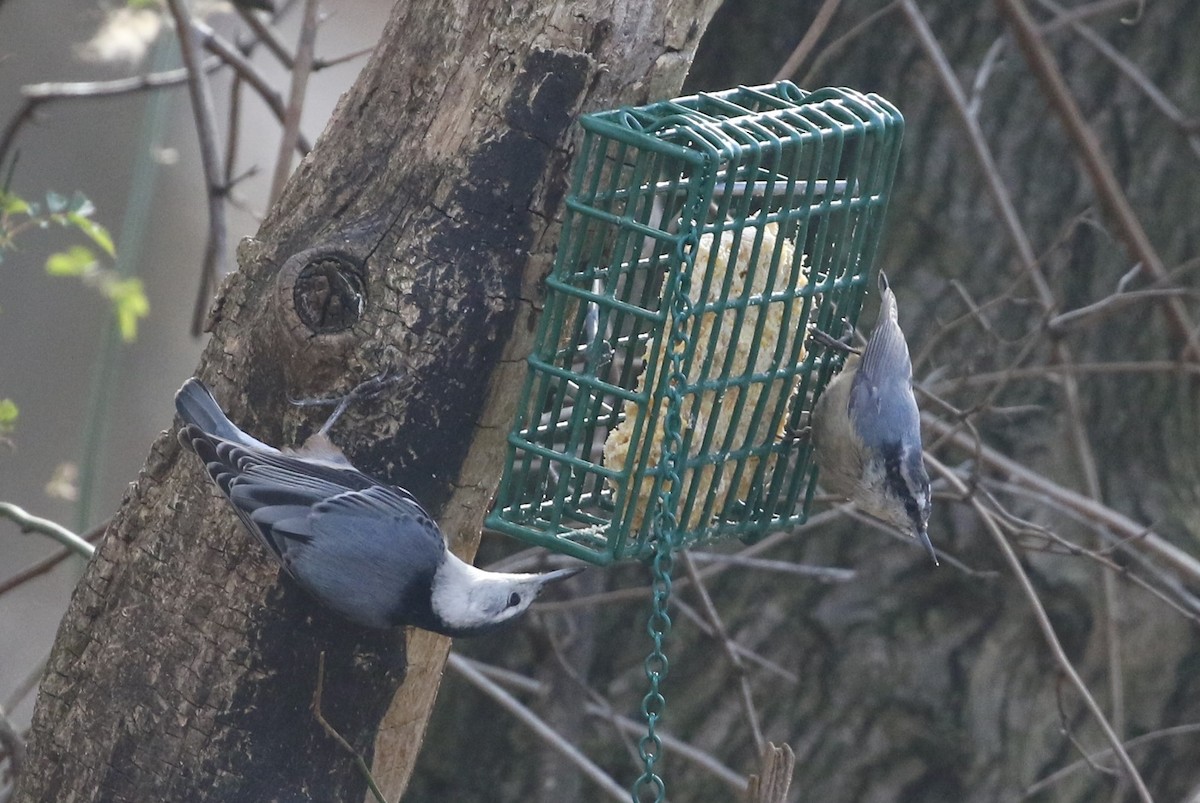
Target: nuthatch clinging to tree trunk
x=365, y=549
x=866, y=429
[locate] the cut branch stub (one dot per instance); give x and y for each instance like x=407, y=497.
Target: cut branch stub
x=323, y=291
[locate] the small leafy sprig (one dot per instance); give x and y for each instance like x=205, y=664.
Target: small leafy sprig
x=125, y=293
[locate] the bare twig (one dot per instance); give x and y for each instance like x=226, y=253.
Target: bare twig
x=1043, y=621
x=827, y=574
x=748, y=654
x=337, y=737
x=246, y=70
x=35, y=95
x=36, y=524
x=1180, y=599
x=639, y=593
x=601, y=709
x=809, y=40
x=1070, y=387
x=1108, y=189
x=535, y=723
x=1086, y=11
x=1146, y=738
x=266, y=34
x=1124, y=527
x=837, y=45
x=46, y=564
x=722, y=637
x=1139, y=79
x=1064, y=727
x=210, y=157
x=607, y=713
x=1109, y=305
x=1053, y=373
x=291, y=119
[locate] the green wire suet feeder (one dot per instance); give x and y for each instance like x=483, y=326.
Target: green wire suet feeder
x=703, y=237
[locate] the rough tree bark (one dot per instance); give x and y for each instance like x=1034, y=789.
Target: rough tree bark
x=185, y=666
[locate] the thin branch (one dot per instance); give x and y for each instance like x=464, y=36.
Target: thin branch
x=1043, y=621
x=834, y=48
x=36, y=524
x=1086, y=11
x=1107, y=188
x=828, y=574
x=1109, y=305
x=722, y=637
x=1092, y=510
x=608, y=714
x=34, y=95
x=1054, y=373
x=1139, y=79
x=1070, y=388
x=600, y=709
x=748, y=654
x=291, y=119
x=337, y=737
x=677, y=746
x=46, y=564
x=210, y=157
x=1138, y=741
x=1179, y=599
x=246, y=70
x=639, y=594
x=234, y=120
x=535, y=723
x=809, y=40
x=266, y=34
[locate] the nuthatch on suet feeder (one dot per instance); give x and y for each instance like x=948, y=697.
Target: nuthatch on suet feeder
x=866, y=429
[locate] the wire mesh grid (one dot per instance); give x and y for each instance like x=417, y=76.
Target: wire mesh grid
x=754, y=214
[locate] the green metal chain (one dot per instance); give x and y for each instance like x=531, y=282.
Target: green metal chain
x=665, y=525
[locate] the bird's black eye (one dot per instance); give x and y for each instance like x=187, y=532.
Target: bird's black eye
x=514, y=600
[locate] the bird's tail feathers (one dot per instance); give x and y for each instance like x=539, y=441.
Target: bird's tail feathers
x=196, y=406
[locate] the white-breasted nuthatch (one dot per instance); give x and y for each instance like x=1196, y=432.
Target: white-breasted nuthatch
x=866, y=429
x=365, y=549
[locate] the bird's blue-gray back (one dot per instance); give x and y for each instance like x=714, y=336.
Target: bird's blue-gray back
x=881, y=399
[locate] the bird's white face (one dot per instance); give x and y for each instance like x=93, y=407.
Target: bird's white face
x=470, y=599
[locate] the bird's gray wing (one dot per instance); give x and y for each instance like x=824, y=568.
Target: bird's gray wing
x=276, y=495
x=371, y=554
x=881, y=399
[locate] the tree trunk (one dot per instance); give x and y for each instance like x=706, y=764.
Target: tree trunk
x=413, y=238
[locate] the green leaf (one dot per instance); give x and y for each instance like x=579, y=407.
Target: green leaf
x=8, y=415
x=94, y=230
x=55, y=203
x=131, y=305
x=75, y=261
x=13, y=204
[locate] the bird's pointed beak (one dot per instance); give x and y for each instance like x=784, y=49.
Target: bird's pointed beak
x=923, y=537
x=560, y=574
